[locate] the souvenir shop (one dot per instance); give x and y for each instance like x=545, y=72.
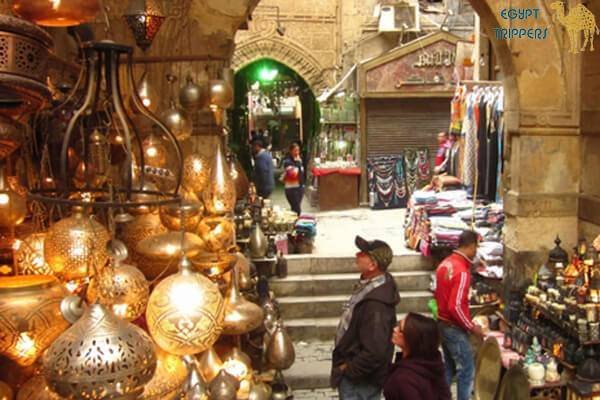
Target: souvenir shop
x=405, y=95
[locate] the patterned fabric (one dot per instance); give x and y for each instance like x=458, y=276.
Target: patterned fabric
x=412, y=170
x=423, y=167
x=386, y=182
x=469, y=132
x=362, y=288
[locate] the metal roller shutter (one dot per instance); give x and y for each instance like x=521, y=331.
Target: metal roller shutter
x=394, y=125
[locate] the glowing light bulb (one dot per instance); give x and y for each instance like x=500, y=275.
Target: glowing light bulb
x=151, y=151
x=146, y=102
x=171, y=249
x=4, y=199
x=25, y=345
x=120, y=310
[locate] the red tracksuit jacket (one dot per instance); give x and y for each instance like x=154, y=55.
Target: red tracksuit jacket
x=453, y=278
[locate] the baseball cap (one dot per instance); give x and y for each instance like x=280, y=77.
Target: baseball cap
x=379, y=250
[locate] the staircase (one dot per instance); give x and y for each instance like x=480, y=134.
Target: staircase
x=311, y=299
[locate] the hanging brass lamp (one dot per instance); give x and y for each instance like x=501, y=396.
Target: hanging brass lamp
x=29, y=256
x=75, y=247
x=144, y=18
x=142, y=227
x=219, y=197
x=241, y=315
x=13, y=205
x=178, y=122
x=196, y=172
x=193, y=97
x=57, y=13
x=223, y=387
x=121, y=287
x=30, y=317
x=100, y=357
x=158, y=254
x=221, y=94
x=218, y=233
x=185, y=312
x=188, y=213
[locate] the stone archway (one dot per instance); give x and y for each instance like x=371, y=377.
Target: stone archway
x=286, y=52
x=542, y=166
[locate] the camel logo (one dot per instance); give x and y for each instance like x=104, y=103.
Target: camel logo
x=579, y=19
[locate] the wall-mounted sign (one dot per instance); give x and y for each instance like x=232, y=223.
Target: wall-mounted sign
x=423, y=67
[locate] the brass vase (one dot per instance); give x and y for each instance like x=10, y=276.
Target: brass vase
x=209, y=364
x=185, y=312
x=219, y=197
x=100, y=357
x=169, y=378
x=75, y=247
x=158, y=254
x=241, y=315
x=258, y=242
x=29, y=256
x=57, y=13
x=30, y=318
x=260, y=391
x=121, y=287
x=280, y=351
x=13, y=205
x=223, y=387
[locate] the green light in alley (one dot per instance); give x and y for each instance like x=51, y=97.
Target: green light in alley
x=267, y=74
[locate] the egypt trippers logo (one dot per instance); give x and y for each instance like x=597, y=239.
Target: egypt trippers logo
x=576, y=20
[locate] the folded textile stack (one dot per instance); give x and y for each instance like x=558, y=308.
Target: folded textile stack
x=306, y=226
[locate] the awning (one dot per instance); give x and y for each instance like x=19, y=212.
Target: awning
x=326, y=95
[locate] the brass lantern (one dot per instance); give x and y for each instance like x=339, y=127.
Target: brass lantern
x=29, y=256
x=30, y=317
x=220, y=198
x=218, y=233
x=193, y=97
x=100, y=357
x=123, y=288
x=144, y=18
x=57, y=13
x=177, y=121
x=189, y=214
x=196, y=172
x=158, y=254
x=185, y=312
x=221, y=94
x=73, y=243
x=13, y=205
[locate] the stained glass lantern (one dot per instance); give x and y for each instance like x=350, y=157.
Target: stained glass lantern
x=144, y=18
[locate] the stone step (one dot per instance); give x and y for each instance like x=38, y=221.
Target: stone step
x=312, y=264
x=323, y=284
x=331, y=306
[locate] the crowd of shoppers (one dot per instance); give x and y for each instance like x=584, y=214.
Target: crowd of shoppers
x=362, y=367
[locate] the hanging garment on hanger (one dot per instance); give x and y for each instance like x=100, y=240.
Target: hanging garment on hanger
x=482, y=156
x=386, y=182
x=469, y=133
x=423, y=167
x=412, y=170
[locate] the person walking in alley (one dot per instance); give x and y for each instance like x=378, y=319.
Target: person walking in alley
x=263, y=169
x=418, y=373
x=363, y=350
x=453, y=279
x=293, y=178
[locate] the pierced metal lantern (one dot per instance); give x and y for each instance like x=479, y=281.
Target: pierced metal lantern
x=29, y=256
x=185, y=312
x=75, y=247
x=144, y=18
x=100, y=357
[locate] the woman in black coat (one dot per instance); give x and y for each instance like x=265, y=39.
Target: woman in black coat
x=418, y=373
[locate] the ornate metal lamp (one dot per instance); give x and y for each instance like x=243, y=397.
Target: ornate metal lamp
x=144, y=18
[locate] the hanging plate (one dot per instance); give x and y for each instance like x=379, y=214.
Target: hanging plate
x=487, y=370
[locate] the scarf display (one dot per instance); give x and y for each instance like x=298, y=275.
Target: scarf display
x=386, y=182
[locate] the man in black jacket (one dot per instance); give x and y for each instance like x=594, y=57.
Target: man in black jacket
x=363, y=350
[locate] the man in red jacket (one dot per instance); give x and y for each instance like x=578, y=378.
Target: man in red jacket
x=453, y=279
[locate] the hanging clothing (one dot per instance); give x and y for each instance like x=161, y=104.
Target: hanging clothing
x=469, y=132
